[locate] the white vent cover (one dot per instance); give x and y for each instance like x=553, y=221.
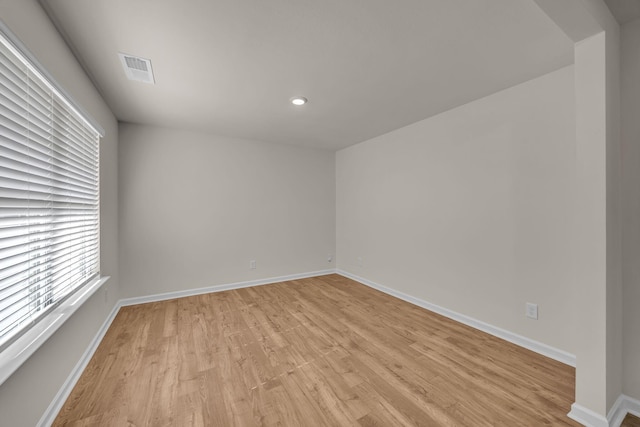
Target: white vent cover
x=138, y=69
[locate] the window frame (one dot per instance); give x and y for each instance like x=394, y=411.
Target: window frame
x=19, y=348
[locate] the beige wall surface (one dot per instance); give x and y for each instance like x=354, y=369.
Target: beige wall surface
x=598, y=204
x=614, y=214
x=471, y=209
x=591, y=226
x=630, y=93
x=25, y=396
x=196, y=208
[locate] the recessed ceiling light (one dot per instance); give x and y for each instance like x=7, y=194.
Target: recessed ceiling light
x=298, y=100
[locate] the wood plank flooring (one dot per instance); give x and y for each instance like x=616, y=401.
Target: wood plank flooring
x=325, y=351
x=630, y=421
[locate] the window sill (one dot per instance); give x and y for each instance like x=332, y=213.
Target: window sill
x=18, y=352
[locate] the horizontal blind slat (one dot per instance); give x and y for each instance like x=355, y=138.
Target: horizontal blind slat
x=42, y=150
x=49, y=196
x=22, y=266
x=19, y=171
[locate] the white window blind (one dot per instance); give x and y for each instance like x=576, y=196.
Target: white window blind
x=49, y=199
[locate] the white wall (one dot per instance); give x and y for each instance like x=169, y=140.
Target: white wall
x=196, y=208
x=471, y=209
x=28, y=392
x=598, y=208
x=614, y=215
x=630, y=91
x=591, y=226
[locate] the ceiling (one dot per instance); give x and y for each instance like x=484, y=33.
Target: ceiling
x=624, y=10
x=367, y=66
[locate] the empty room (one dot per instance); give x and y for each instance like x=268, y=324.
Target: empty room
x=297, y=213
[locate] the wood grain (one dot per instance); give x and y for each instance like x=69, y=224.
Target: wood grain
x=630, y=421
x=324, y=351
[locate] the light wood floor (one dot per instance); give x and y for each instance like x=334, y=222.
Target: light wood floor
x=313, y=352
x=630, y=421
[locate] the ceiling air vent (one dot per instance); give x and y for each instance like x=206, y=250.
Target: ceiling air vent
x=138, y=69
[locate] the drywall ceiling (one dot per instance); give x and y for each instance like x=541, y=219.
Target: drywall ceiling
x=366, y=66
x=624, y=10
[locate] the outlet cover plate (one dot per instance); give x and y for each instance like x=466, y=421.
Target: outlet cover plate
x=532, y=311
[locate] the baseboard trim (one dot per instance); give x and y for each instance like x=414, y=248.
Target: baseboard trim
x=538, y=347
x=220, y=288
x=587, y=417
x=56, y=404
x=617, y=412
x=624, y=405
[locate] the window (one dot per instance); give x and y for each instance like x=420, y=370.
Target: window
x=49, y=198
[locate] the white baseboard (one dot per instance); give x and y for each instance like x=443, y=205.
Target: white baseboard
x=538, y=347
x=587, y=417
x=56, y=404
x=58, y=401
x=220, y=288
x=632, y=405
x=624, y=405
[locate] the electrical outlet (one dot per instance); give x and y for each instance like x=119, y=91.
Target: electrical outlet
x=359, y=261
x=252, y=264
x=329, y=258
x=532, y=311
